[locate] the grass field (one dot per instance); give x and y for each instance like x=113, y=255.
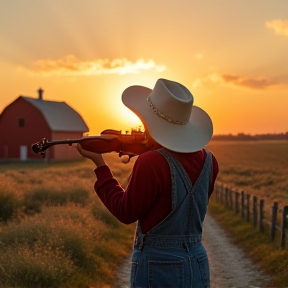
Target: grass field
x=54, y=231
x=259, y=168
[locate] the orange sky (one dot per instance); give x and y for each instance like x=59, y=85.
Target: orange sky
x=232, y=56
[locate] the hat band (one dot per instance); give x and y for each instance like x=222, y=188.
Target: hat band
x=163, y=116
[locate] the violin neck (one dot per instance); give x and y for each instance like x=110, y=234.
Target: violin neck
x=67, y=141
x=44, y=144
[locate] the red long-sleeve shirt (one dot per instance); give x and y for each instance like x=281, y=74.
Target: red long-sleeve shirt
x=148, y=195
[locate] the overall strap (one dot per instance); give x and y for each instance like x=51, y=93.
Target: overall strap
x=188, y=184
x=206, y=167
x=174, y=165
x=178, y=166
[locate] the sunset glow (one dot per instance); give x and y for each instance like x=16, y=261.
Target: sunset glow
x=231, y=56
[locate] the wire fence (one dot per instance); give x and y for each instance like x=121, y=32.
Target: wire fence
x=255, y=211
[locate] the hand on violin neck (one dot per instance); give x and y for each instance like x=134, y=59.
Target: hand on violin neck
x=94, y=157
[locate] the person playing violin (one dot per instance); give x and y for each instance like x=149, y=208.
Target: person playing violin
x=169, y=188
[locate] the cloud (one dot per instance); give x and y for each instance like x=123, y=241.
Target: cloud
x=252, y=83
x=72, y=66
x=280, y=27
x=235, y=81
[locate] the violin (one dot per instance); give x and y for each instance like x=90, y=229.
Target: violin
x=108, y=141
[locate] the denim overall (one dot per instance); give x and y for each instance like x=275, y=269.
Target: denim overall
x=171, y=254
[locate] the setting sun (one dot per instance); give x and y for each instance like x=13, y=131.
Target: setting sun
x=129, y=120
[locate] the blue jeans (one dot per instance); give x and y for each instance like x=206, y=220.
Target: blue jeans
x=170, y=267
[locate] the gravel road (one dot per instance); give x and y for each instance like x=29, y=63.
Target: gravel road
x=229, y=266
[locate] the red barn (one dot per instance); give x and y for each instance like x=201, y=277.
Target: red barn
x=27, y=120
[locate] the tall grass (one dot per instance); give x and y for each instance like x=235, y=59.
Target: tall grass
x=8, y=206
x=34, y=200
x=55, y=232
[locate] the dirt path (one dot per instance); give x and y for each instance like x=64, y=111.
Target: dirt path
x=229, y=266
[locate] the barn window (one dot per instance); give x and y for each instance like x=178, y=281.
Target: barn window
x=21, y=122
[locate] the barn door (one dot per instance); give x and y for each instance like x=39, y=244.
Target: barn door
x=23, y=153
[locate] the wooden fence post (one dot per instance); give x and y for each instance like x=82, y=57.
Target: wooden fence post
x=226, y=196
x=284, y=226
x=255, y=213
x=261, y=215
x=231, y=199
x=242, y=205
x=219, y=194
x=222, y=193
x=273, y=220
x=237, y=202
x=248, y=207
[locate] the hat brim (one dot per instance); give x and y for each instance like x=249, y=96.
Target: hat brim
x=186, y=138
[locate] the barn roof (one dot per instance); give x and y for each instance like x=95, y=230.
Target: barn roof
x=59, y=115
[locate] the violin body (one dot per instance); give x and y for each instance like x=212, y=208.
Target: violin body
x=108, y=141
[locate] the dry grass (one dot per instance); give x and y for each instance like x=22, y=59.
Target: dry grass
x=69, y=233
x=259, y=168
x=55, y=232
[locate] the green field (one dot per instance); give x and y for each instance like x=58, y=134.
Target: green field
x=54, y=231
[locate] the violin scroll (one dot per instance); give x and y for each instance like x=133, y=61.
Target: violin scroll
x=40, y=147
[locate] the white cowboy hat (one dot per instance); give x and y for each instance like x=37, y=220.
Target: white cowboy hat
x=169, y=115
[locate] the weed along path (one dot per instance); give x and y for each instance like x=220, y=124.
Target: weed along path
x=229, y=266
